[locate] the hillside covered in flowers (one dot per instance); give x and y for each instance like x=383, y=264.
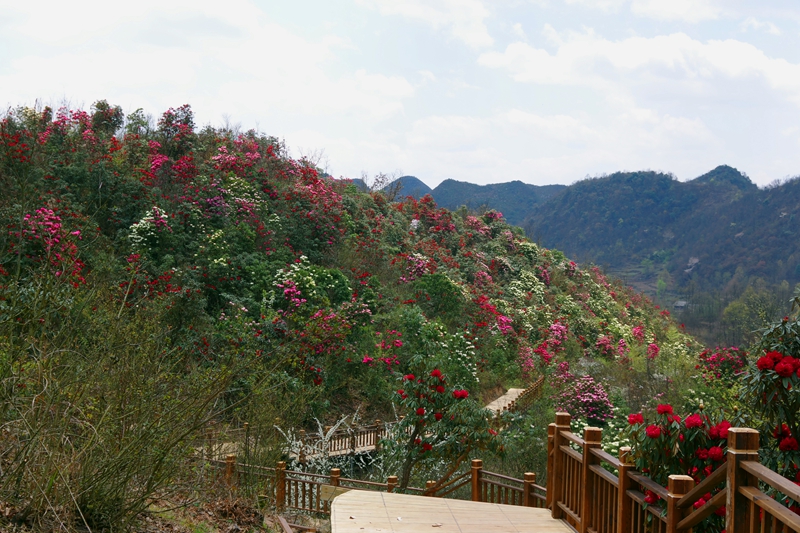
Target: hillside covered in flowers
x=155, y=276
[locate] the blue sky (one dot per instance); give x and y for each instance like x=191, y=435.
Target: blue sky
x=543, y=91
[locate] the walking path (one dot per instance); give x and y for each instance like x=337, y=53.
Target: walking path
x=504, y=401
x=359, y=511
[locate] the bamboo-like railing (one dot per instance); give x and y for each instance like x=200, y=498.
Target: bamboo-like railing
x=597, y=493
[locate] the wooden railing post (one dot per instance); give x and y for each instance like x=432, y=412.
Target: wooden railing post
x=624, y=502
x=391, y=483
x=230, y=471
x=301, y=457
x=678, y=486
x=280, y=485
x=377, y=435
x=336, y=473
x=551, y=431
x=591, y=439
x=742, y=446
x=353, y=437
x=562, y=424
x=429, y=485
x=527, y=489
x=477, y=466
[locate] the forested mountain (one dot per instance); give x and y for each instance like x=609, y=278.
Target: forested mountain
x=714, y=235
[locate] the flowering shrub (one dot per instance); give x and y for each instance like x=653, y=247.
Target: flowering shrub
x=442, y=423
x=582, y=397
x=726, y=364
x=694, y=445
x=772, y=389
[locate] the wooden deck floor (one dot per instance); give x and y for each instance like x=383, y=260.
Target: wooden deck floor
x=360, y=511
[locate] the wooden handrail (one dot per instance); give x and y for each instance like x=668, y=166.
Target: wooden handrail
x=649, y=484
x=708, y=483
x=774, y=480
x=705, y=511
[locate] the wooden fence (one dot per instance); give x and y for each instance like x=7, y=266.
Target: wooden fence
x=289, y=489
x=596, y=492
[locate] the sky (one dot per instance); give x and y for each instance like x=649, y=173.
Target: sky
x=542, y=91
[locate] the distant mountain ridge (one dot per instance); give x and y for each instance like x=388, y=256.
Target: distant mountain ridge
x=514, y=199
x=704, y=229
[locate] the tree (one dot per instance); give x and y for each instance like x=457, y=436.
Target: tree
x=442, y=424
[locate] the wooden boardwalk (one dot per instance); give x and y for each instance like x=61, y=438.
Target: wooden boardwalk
x=504, y=401
x=359, y=511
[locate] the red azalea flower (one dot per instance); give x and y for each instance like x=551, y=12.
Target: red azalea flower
x=653, y=431
x=789, y=444
x=715, y=453
x=721, y=511
x=420, y=411
x=785, y=367
x=781, y=432
x=426, y=446
x=440, y=389
x=436, y=373
x=492, y=432
x=699, y=503
x=693, y=421
x=722, y=429
x=635, y=418
x=775, y=356
x=437, y=416
x=701, y=453
x=664, y=409
x=409, y=377
x=765, y=363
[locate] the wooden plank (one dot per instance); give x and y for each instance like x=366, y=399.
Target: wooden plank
x=329, y=492
x=649, y=484
x=705, y=511
x=605, y=474
x=771, y=506
x=572, y=453
x=605, y=457
x=717, y=477
x=773, y=479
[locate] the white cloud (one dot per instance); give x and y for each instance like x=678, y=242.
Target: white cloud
x=751, y=23
x=519, y=32
x=691, y=11
x=237, y=62
x=674, y=64
x=464, y=19
x=685, y=10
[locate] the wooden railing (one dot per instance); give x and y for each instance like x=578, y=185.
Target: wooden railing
x=289, y=489
x=596, y=492
x=498, y=488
